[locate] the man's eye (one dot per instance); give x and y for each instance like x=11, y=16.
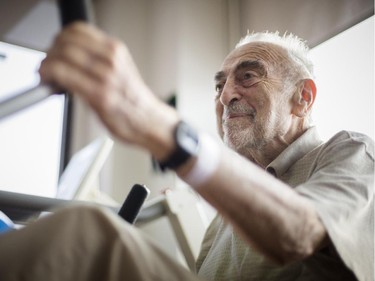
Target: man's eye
x=247, y=76
x=218, y=88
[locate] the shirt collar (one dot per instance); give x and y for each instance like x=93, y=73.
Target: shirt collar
x=296, y=150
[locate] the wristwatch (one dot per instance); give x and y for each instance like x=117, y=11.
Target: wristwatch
x=187, y=145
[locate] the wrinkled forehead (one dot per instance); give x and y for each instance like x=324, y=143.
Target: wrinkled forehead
x=270, y=55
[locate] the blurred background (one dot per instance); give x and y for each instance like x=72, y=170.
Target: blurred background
x=178, y=46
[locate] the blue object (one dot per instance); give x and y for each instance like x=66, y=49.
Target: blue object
x=6, y=223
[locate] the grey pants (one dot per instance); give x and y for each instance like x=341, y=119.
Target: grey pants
x=84, y=243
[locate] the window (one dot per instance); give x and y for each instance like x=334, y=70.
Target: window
x=344, y=66
x=31, y=140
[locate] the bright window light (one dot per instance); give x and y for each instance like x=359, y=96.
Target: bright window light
x=344, y=67
x=30, y=141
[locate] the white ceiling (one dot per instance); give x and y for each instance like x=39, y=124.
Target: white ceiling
x=33, y=23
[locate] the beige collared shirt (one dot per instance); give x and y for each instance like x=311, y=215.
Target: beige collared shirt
x=337, y=177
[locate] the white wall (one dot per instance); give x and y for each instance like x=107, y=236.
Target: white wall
x=344, y=67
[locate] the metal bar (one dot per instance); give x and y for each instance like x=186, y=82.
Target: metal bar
x=21, y=207
x=25, y=99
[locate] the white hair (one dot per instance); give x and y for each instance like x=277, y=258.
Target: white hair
x=296, y=47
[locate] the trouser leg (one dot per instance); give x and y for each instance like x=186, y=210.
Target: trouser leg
x=84, y=243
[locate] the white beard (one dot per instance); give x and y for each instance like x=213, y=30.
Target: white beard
x=244, y=137
x=236, y=137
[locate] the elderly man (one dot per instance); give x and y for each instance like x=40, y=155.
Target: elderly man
x=290, y=207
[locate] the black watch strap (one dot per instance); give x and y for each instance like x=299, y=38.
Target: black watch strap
x=187, y=144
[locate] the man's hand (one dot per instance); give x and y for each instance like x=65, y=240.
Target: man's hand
x=100, y=70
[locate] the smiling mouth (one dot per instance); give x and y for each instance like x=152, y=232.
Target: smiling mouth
x=237, y=115
x=236, y=110
x=234, y=117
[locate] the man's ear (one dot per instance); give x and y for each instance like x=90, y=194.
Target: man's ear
x=304, y=97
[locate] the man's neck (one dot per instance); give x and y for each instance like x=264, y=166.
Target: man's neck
x=263, y=156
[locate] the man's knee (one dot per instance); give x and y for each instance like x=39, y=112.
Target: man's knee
x=85, y=217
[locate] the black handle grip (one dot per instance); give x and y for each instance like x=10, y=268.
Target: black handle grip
x=133, y=203
x=73, y=10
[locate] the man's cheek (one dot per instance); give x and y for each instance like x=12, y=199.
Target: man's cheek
x=219, y=115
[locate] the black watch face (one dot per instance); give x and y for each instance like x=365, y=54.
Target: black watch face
x=187, y=139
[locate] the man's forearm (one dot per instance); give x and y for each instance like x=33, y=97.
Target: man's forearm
x=270, y=215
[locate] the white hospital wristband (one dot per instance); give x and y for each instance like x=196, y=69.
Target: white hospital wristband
x=208, y=159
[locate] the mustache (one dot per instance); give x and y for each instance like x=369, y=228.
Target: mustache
x=236, y=108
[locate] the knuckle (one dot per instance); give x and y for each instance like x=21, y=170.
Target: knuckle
x=114, y=52
x=75, y=27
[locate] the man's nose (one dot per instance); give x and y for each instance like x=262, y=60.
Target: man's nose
x=229, y=92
